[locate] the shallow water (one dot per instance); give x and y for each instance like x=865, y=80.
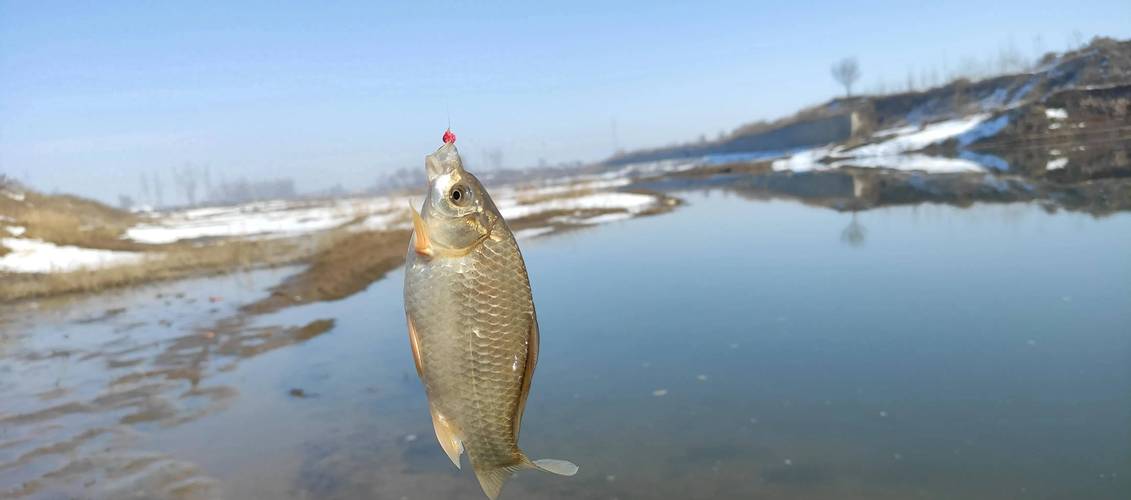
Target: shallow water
x=731, y=348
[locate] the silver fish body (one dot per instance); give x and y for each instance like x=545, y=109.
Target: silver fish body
x=472, y=325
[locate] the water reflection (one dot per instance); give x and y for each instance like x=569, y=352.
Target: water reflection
x=854, y=233
x=727, y=349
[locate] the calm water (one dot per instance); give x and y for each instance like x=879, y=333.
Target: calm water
x=732, y=348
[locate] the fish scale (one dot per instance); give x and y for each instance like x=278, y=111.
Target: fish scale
x=485, y=345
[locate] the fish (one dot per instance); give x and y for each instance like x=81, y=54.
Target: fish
x=472, y=326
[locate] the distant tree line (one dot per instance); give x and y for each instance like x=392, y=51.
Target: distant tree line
x=1008, y=59
x=193, y=185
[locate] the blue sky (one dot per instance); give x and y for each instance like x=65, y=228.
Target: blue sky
x=94, y=93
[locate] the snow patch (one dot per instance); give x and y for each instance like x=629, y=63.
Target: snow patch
x=533, y=232
x=16, y=230
x=803, y=161
x=263, y=219
x=1056, y=114
x=397, y=219
x=914, y=162
x=35, y=256
x=897, y=151
x=930, y=134
x=631, y=202
x=1056, y=164
x=987, y=128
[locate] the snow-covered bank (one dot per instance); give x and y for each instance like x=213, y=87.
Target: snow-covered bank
x=631, y=203
x=35, y=256
x=281, y=218
x=260, y=219
x=898, y=149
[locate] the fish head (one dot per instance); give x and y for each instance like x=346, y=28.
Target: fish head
x=458, y=212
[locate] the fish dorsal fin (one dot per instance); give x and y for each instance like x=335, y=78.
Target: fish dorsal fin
x=527, y=373
x=447, y=436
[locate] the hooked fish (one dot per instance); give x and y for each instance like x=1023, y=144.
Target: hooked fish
x=471, y=323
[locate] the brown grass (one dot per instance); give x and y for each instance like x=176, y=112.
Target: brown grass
x=177, y=261
x=70, y=220
x=341, y=262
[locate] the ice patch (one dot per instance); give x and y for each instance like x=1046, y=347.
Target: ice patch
x=35, y=256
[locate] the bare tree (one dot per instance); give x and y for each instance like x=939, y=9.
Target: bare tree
x=854, y=233
x=145, y=196
x=158, y=189
x=206, y=177
x=846, y=72
x=185, y=179
x=493, y=158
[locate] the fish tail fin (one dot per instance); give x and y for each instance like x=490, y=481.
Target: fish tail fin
x=554, y=466
x=491, y=479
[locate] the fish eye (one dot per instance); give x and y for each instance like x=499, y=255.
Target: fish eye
x=459, y=194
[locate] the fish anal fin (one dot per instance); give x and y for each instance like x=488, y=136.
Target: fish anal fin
x=421, y=243
x=492, y=480
x=527, y=374
x=414, y=340
x=447, y=436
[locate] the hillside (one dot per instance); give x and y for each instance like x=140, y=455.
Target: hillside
x=1086, y=89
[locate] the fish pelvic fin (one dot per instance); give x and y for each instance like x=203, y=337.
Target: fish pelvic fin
x=414, y=342
x=491, y=479
x=447, y=436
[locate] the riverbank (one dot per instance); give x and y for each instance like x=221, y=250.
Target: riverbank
x=56, y=245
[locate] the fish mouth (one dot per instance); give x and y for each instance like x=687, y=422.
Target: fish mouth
x=444, y=160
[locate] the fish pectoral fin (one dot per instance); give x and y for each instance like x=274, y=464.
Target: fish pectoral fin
x=414, y=341
x=446, y=435
x=422, y=244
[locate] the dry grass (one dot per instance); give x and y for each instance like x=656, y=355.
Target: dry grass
x=70, y=220
x=177, y=261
